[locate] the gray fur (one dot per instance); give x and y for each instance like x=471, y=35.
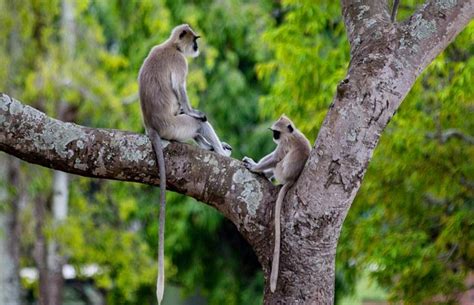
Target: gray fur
x=285, y=164
x=167, y=113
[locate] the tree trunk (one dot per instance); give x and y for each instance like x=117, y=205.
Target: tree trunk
x=386, y=59
x=40, y=251
x=10, y=289
x=55, y=261
x=10, y=292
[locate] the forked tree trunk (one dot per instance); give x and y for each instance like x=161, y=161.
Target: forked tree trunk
x=386, y=59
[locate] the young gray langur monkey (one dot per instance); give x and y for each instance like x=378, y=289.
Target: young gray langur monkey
x=285, y=163
x=167, y=113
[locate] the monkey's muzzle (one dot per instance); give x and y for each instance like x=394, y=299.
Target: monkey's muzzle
x=276, y=134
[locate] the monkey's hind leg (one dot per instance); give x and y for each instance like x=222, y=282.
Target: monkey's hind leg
x=208, y=133
x=202, y=142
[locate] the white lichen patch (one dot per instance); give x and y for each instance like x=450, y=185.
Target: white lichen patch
x=422, y=28
x=363, y=9
x=15, y=107
x=57, y=136
x=445, y=4
x=141, y=140
x=357, y=40
x=252, y=193
x=32, y=113
x=131, y=153
x=352, y=136
x=211, y=160
x=4, y=101
x=234, y=163
x=370, y=22
x=2, y=119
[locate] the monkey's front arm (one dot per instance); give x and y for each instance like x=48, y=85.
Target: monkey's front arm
x=186, y=106
x=178, y=84
x=265, y=164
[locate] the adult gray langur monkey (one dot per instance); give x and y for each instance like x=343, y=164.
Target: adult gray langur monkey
x=167, y=113
x=285, y=164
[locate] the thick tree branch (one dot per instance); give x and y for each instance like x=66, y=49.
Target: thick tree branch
x=224, y=183
x=363, y=16
x=431, y=29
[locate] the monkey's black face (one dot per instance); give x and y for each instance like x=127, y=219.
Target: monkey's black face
x=276, y=134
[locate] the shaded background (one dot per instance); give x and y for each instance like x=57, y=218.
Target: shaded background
x=408, y=236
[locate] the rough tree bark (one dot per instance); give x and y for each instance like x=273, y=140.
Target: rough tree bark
x=386, y=58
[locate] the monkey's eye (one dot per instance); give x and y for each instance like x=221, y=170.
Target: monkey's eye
x=276, y=134
x=290, y=128
x=182, y=34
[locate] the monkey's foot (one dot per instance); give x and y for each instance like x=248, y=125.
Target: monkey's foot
x=226, y=146
x=227, y=149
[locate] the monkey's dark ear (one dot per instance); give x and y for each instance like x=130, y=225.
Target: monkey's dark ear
x=182, y=34
x=290, y=128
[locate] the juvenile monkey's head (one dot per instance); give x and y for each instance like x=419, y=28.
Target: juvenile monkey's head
x=185, y=40
x=282, y=128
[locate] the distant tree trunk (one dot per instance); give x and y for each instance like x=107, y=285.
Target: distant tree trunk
x=386, y=59
x=55, y=261
x=10, y=194
x=40, y=251
x=10, y=292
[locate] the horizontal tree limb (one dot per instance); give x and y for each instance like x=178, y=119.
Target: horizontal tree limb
x=224, y=183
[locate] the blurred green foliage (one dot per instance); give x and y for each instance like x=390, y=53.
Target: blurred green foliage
x=411, y=224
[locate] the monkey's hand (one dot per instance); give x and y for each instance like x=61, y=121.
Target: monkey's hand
x=198, y=115
x=249, y=163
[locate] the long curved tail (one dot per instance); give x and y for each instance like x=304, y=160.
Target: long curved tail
x=158, y=148
x=394, y=10
x=276, y=250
